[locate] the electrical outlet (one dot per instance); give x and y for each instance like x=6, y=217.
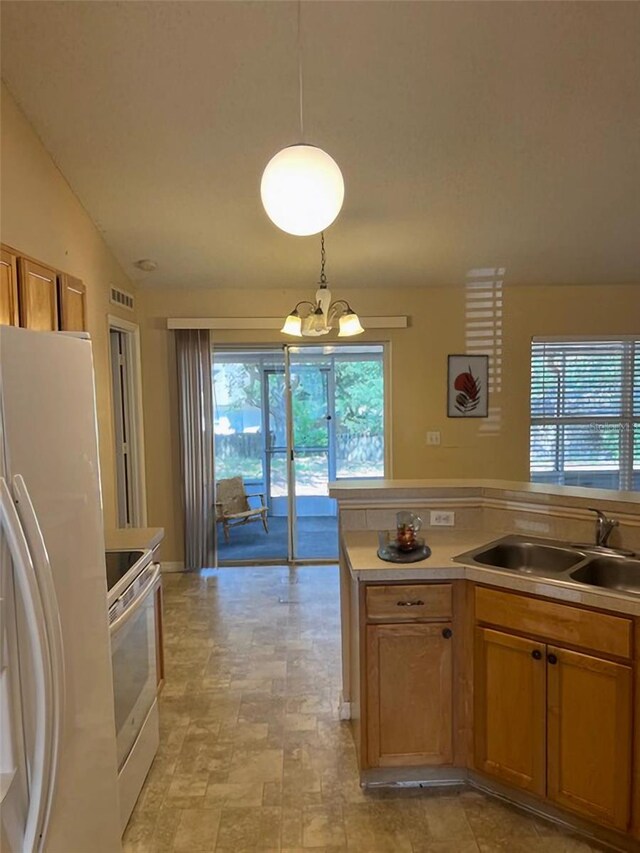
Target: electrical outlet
x=433, y=437
x=440, y=518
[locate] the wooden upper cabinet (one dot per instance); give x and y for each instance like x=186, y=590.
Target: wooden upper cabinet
x=72, y=295
x=409, y=694
x=9, y=315
x=510, y=709
x=38, y=292
x=589, y=736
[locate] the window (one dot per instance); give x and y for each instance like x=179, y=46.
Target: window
x=585, y=412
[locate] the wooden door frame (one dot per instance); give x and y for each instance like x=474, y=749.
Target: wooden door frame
x=134, y=377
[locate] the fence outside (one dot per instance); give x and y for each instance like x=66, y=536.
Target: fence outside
x=356, y=455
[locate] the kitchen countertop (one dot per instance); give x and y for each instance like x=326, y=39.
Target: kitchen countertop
x=360, y=550
x=133, y=538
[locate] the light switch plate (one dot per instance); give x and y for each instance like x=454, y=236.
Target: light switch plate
x=440, y=518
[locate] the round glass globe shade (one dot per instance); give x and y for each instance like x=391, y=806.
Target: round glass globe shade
x=302, y=190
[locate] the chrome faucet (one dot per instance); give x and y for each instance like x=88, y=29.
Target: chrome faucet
x=604, y=526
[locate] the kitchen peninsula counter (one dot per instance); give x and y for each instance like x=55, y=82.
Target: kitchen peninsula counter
x=458, y=672
x=359, y=551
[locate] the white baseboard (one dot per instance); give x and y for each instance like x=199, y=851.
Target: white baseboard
x=166, y=567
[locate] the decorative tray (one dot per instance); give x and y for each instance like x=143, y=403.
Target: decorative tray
x=391, y=554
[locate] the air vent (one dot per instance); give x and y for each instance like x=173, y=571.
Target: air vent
x=122, y=298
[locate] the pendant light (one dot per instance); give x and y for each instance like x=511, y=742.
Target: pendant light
x=313, y=319
x=302, y=188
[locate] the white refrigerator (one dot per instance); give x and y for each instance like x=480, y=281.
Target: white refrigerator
x=58, y=775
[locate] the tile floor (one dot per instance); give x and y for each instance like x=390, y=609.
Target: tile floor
x=252, y=755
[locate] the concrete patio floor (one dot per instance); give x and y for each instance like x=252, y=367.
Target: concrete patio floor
x=317, y=539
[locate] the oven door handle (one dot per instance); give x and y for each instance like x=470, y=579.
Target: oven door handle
x=137, y=603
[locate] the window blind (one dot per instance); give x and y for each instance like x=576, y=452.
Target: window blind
x=585, y=412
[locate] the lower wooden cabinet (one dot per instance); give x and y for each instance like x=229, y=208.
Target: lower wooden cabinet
x=589, y=736
x=525, y=710
x=409, y=694
x=510, y=709
x=556, y=723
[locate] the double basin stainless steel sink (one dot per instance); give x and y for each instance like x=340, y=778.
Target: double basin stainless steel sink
x=586, y=565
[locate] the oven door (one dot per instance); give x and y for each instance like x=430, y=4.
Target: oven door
x=133, y=655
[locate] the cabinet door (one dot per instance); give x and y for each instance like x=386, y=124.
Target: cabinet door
x=409, y=711
x=37, y=287
x=510, y=709
x=589, y=736
x=8, y=289
x=72, y=297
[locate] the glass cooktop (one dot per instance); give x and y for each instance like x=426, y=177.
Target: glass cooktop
x=119, y=563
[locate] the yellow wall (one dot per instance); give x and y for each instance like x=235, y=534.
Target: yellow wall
x=41, y=217
x=418, y=373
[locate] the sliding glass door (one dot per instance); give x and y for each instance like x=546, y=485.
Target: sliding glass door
x=311, y=383
x=276, y=440
x=250, y=447
x=287, y=422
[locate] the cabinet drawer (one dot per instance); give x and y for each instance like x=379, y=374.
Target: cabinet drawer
x=408, y=602
x=558, y=623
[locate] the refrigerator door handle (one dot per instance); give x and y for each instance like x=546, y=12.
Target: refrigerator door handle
x=26, y=581
x=44, y=577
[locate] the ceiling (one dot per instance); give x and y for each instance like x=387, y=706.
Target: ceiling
x=470, y=134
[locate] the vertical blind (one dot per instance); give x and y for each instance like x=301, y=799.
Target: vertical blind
x=585, y=412
x=193, y=353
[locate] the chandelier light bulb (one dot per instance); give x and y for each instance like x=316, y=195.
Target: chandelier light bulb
x=293, y=325
x=302, y=190
x=349, y=325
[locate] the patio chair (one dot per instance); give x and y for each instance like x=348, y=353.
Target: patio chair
x=232, y=505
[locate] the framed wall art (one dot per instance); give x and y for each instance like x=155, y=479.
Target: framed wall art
x=468, y=386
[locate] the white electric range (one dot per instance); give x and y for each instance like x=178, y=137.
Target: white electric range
x=133, y=579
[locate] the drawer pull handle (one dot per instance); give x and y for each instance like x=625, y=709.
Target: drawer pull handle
x=416, y=603
x=447, y=633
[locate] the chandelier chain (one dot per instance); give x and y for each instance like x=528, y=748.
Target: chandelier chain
x=323, y=260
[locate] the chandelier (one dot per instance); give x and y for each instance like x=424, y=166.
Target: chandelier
x=313, y=319
x=302, y=188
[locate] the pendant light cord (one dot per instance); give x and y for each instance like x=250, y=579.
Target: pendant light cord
x=300, y=86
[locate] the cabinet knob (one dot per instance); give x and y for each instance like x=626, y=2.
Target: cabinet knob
x=536, y=654
x=447, y=633
x=553, y=660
